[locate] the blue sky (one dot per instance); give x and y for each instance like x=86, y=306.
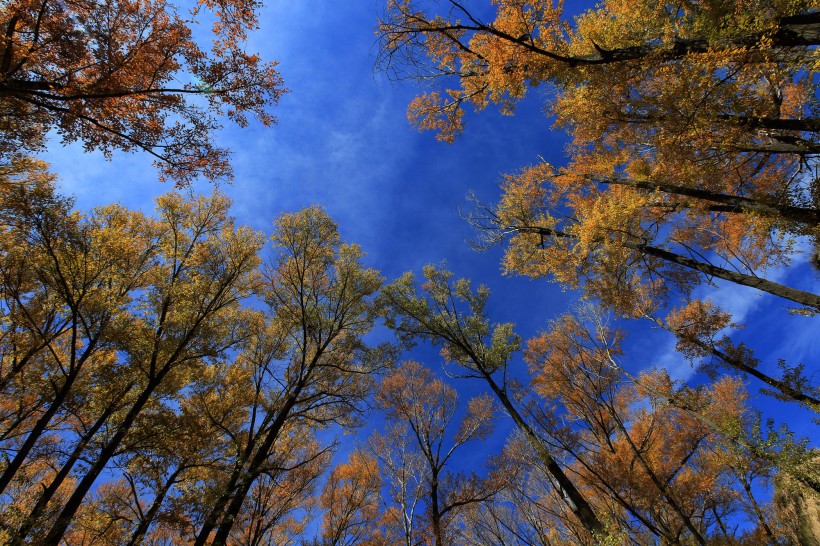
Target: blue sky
x=343, y=142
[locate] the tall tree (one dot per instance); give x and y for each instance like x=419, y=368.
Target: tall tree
x=114, y=317
x=307, y=366
x=414, y=398
x=128, y=75
x=403, y=468
x=694, y=130
x=489, y=55
x=604, y=247
x=601, y=436
x=67, y=282
x=192, y=312
x=451, y=315
x=694, y=456
x=614, y=245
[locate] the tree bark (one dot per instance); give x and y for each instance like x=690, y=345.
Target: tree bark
x=435, y=513
x=808, y=125
x=253, y=471
x=786, y=292
x=571, y=496
x=797, y=31
x=212, y=520
x=47, y=494
x=802, y=215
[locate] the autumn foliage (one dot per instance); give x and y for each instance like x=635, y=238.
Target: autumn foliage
x=164, y=384
x=692, y=151
x=137, y=355
x=130, y=75
x=177, y=378
x=602, y=455
x=692, y=135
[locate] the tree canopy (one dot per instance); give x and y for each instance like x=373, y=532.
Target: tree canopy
x=692, y=153
x=177, y=377
x=131, y=75
x=693, y=135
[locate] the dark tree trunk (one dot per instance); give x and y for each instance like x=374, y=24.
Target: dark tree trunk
x=48, y=493
x=149, y=516
x=798, y=31
x=802, y=215
x=798, y=296
x=253, y=471
x=786, y=292
x=571, y=496
x=108, y=451
x=741, y=366
x=435, y=511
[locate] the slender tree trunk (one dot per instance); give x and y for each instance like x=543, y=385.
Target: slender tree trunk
x=212, y=520
x=39, y=428
x=149, y=516
x=747, y=488
x=741, y=366
x=798, y=296
x=74, y=367
x=608, y=489
x=807, y=125
x=571, y=496
x=794, y=32
x=253, y=470
x=5, y=62
x=781, y=145
x=108, y=451
x=48, y=493
x=435, y=514
x=739, y=204
x=797, y=31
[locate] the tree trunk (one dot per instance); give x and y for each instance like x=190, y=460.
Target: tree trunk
x=74, y=367
x=108, y=451
x=435, y=515
x=807, y=216
x=38, y=430
x=573, y=498
x=253, y=471
x=794, y=32
x=740, y=366
x=798, y=296
x=219, y=505
x=47, y=494
x=797, y=31
x=149, y=516
x=809, y=125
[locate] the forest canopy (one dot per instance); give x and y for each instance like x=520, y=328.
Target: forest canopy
x=181, y=377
